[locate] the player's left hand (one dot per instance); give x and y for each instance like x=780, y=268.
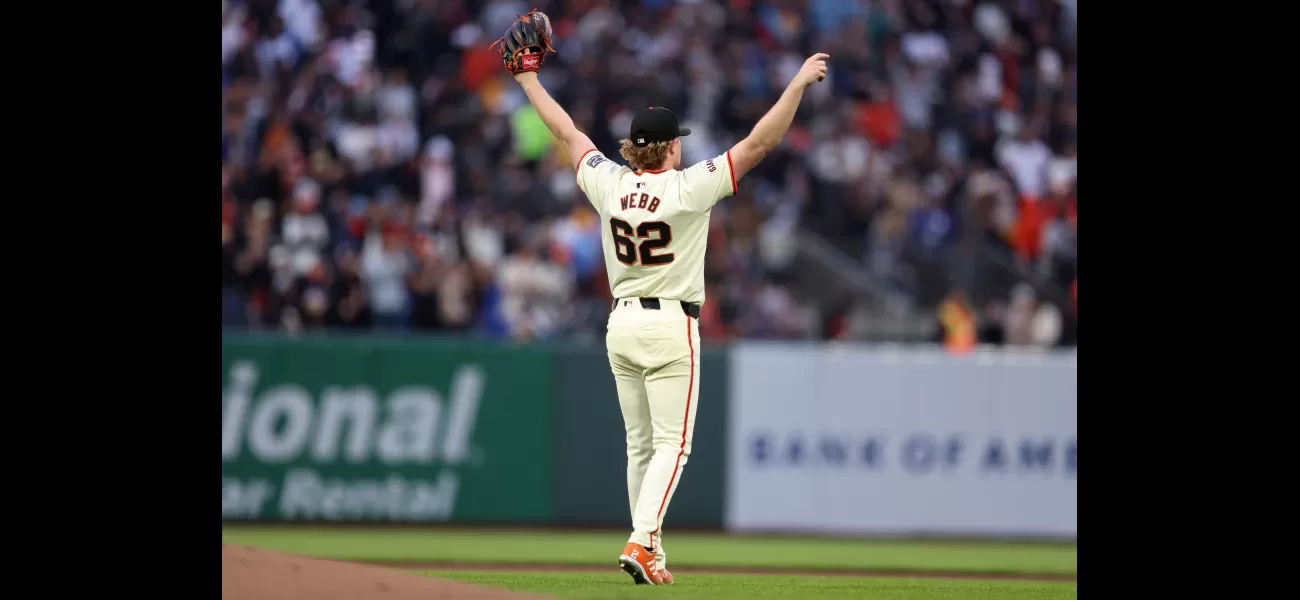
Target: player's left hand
x=813, y=70
x=525, y=44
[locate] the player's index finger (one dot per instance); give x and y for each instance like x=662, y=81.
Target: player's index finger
x=820, y=56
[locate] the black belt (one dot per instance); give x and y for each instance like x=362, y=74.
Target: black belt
x=693, y=310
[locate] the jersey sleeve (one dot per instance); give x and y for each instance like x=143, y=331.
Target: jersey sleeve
x=707, y=182
x=597, y=176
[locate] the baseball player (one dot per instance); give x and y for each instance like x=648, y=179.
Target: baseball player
x=656, y=222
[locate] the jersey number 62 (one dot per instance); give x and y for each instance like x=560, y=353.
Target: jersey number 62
x=654, y=235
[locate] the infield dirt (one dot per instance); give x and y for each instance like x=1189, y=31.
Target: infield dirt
x=253, y=574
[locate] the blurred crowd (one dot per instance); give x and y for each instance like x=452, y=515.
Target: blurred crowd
x=380, y=170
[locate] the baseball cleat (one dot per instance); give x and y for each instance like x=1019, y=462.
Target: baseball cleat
x=640, y=564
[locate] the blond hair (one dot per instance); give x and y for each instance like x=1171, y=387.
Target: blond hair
x=644, y=158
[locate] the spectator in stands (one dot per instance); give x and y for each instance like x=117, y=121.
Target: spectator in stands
x=1018, y=324
x=307, y=300
x=349, y=307
x=384, y=267
x=437, y=180
x=534, y=291
x=373, y=154
x=304, y=232
x=1059, y=244
x=1031, y=322
x=1045, y=329
x=252, y=263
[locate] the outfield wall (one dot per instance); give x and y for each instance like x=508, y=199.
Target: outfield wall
x=873, y=441
x=356, y=429
x=788, y=437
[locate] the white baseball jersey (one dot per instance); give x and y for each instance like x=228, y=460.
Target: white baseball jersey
x=656, y=223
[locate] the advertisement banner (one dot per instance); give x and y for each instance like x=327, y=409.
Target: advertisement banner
x=375, y=429
x=901, y=442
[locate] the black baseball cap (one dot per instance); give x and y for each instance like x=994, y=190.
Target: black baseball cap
x=656, y=124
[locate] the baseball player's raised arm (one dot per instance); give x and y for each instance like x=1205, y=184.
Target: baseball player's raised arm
x=576, y=143
x=772, y=127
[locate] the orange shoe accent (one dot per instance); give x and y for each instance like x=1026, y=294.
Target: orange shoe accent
x=640, y=564
x=665, y=577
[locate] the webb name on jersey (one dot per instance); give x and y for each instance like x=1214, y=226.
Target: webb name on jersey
x=656, y=223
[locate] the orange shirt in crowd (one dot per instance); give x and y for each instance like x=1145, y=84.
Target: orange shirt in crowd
x=1027, y=233
x=958, y=326
x=879, y=122
x=478, y=64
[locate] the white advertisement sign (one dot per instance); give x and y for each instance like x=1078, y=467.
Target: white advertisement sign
x=901, y=442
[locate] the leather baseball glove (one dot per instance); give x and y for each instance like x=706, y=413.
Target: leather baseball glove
x=525, y=44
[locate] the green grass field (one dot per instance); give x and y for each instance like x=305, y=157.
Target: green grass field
x=477, y=557
x=592, y=586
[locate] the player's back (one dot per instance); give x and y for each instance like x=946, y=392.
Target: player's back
x=656, y=224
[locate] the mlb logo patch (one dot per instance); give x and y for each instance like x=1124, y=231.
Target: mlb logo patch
x=640, y=185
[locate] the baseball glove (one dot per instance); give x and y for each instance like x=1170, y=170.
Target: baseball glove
x=525, y=44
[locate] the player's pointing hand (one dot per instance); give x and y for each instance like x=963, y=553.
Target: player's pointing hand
x=814, y=70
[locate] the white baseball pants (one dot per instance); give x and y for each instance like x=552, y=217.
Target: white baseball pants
x=655, y=357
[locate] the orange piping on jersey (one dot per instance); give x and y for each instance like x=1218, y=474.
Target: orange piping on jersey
x=651, y=171
x=577, y=167
x=731, y=169
x=686, y=421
